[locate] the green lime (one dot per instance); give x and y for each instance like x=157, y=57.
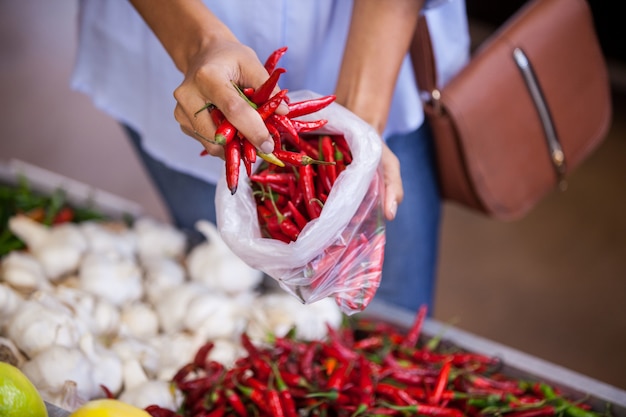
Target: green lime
x=18, y=396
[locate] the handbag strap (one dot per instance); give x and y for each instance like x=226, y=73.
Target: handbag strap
x=424, y=66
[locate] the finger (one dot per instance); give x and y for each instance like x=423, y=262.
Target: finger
x=207, y=142
x=246, y=119
x=394, y=192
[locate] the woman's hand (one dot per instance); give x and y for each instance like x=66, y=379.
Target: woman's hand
x=209, y=78
x=212, y=61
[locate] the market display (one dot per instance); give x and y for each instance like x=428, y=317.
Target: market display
x=104, y=307
x=366, y=368
x=181, y=336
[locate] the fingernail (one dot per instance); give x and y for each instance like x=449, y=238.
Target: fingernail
x=267, y=146
x=393, y=209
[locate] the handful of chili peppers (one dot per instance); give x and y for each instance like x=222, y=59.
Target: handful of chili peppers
x=237, y=149
x=369, y=368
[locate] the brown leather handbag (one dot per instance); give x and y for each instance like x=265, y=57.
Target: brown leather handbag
x=532, y=103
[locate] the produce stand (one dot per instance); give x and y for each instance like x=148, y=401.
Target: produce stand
x=77, y=193
x=516, y=364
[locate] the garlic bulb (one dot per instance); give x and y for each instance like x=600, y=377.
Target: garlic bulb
x=129, y=348
x=156, y=239
x=213, y=315
x=172, y=307
x=99, y=316
x=139, y=320
x=58, y=248
x=22, y=271
x=226, y=352
x=160, y=275
x=142, y=392
x=36, y=326
x=52, y=367
x=9, y=302
x=106, y=364
x=67, y=397
x=114, y=278
x=9, y=353
x=216, y=266
x=277, y=313
x=174, y=351
x=108, y=237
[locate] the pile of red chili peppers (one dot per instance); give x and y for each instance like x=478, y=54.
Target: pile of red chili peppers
x=366, y=369
x=290, y=196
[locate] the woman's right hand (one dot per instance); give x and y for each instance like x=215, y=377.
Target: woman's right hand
x=212, y=60
x=209, y=78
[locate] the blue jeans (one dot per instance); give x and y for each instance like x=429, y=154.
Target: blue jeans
x=409, y=270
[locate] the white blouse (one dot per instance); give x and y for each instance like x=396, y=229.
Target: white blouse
x=125, y=70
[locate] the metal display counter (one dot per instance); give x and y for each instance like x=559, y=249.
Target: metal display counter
x=516, y=364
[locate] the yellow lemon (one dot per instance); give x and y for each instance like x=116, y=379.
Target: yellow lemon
x=18, y=396
x=108, y=408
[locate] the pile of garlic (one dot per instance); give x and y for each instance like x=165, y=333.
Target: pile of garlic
x=102, y=306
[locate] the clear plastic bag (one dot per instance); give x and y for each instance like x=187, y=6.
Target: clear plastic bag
x=339, y=254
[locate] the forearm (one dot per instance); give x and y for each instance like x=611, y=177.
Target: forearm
x=378, y=40
x=182, y=26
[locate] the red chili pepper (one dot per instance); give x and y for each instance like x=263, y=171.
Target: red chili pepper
x=301, y=108
x=298, y=158
x=273, y=177
x=255, y=395
x=157, y=411
x=371, y=342
x=339, y=376
x=64, y=215
x=285, y=126
x=272, y=60
x=414, y=332
x=307, y=186
x=343, y=147
x=305, y=145
x=366, y=382
x=288, y=405
x=274, y=404
x=275, y=134
x=200, y=359
x=328, y=152
x=442, y=382
x=248, y=92
x=303, y=126
x=543, y=411
x=107, y=392
x=248, y=155
x=298, y=217
x=232, y=155
x=225, y=132
x=289, y=228
x=263, y=93
x=269, y=107
x=427, y=410
x=216, y=115
x=308, y=358
x=235, y=402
